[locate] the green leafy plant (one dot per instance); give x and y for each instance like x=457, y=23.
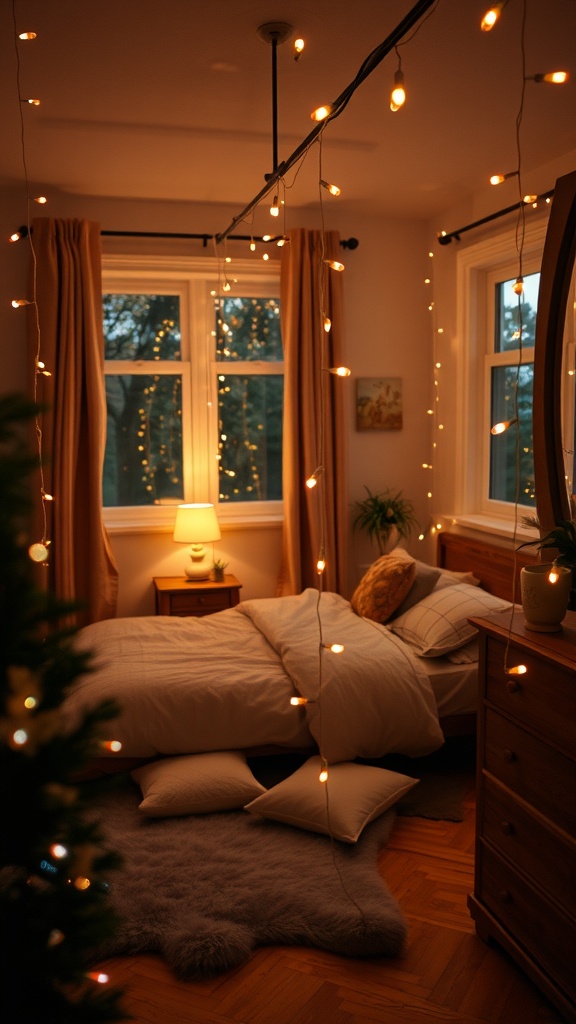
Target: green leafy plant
x=377, y=514
x=561, y=539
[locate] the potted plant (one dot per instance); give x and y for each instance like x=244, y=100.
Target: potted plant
x=218, y=567
x=380, y=514
x=561, y=539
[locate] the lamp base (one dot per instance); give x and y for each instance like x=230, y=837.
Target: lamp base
x=199, y=570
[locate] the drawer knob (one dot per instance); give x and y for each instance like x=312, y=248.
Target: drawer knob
x=512, y=686
x=509, y=756
x=507, y=828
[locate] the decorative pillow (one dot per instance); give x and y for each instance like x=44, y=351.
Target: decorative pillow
x=383, y=587
x=425, y=579
x=449, y=577
x=439, y=624
x=357, y=794
x=196, y=784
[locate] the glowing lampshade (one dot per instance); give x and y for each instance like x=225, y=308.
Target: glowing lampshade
x=197, y=525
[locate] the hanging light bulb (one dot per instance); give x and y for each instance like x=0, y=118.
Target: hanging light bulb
x=340, y=371
x=323, y=776
x=332, y=189
x=529, y=199
x=497, y=179
x=298, y=701
x=321, y=113
x=398, y=94
x=326, y=323
x=492, y=15
x=518, y=286
x=252, y=245
x=334, y=648
x=32, y=102
x=275, y=209
x=313, y=478
x=26, y=35
x=40, y=199
x=16, y=303
x=17, y=235
x=502, y=427
x=334, y=265
x=552, y=77
x=516, y=670
x=299, y=45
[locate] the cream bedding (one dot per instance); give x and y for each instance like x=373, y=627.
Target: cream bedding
x=224, y=682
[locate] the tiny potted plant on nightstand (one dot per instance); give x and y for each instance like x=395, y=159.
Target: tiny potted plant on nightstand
x=218, y=569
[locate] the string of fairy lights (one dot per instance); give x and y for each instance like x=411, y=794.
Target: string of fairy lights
x=325, y=113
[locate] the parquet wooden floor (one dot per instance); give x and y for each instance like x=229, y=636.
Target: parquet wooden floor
x=447, y=975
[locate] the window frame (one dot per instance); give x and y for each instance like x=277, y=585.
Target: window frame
x=478, y=267
x=196, y=280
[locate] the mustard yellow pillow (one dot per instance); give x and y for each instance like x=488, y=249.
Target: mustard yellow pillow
x=383, y=587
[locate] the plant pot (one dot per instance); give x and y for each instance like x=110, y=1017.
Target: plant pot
x=218, y=575
x=544, y=601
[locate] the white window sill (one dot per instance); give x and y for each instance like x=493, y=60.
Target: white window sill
x=161, y=520
x=494, y=525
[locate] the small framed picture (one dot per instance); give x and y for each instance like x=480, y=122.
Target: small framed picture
x=379, y=403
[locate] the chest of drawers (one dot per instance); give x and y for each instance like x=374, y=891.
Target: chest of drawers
x=525, y=869
x=176, y=595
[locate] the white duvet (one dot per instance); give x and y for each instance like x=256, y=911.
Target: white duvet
x=224, y=682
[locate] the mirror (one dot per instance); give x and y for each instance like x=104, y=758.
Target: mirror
x=556, y=274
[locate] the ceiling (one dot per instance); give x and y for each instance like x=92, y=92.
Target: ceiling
x=172, y=99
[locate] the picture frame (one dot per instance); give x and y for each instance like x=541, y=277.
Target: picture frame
x=379, y=403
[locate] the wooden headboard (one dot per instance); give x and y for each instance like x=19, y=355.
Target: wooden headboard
x=493, y=564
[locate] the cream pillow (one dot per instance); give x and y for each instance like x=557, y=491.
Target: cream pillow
x=383, y=587
x=357, y=794
x=439, y=623
x=196, y=784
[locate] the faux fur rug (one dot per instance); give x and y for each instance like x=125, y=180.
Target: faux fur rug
x=204, y=891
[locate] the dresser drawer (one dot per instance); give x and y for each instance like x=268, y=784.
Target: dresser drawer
x=544, y=698
x=542, y=929
x=545, y=854
x=199, y=604
x=539, y=774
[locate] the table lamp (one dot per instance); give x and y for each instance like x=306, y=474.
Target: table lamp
x=197, y=525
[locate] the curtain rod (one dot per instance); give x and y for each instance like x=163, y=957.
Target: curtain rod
x=346, y=243
x=371, y=62
x=445, y=237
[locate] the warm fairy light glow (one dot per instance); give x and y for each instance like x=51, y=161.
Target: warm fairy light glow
x=398, y=94
x=518, y=286
x=299, y=45
x=27, y=35
x=517, y=670
x=98, y=976
x=320, y=565
x=112, y=745
x=334, y=265
x=20, y=737
x=252, y=246
x=38, y=552
x=323, y=777
x=275, y=209
x=553, y=576
x=492, y=15
x=265, y=256
x=40, y=199
x=553, y=77
x=529, y=199
x=497, y=179
x=32, y=102
x=502, y=427
x=311, y=482
x=335, y=648
x=20, y=302
x=321, y=113
x=30, y=702
x=81, y=883
x=58, y=850
x=298, y=701
x=332, y=189
x=340, y=371
x=327, y=324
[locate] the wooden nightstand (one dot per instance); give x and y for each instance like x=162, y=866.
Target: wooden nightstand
x=524, y=890
x=175, y=595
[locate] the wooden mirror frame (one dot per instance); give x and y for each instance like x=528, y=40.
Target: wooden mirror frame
x=552, y=503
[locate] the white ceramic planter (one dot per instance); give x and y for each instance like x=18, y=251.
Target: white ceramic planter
x=545, y=591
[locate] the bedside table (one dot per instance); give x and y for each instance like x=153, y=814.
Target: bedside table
x=175, y=595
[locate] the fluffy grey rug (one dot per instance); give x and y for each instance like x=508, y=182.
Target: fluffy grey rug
x=205, y=891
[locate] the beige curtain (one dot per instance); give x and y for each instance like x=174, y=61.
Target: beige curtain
x=315, y=406
x=69, y=305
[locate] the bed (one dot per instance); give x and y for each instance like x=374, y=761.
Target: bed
x=261, y=677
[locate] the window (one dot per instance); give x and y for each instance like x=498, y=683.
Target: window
x=491, y=367
x=194, y=390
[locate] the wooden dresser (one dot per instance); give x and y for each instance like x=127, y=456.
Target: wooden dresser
x=175, y=595
x=525, y=870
